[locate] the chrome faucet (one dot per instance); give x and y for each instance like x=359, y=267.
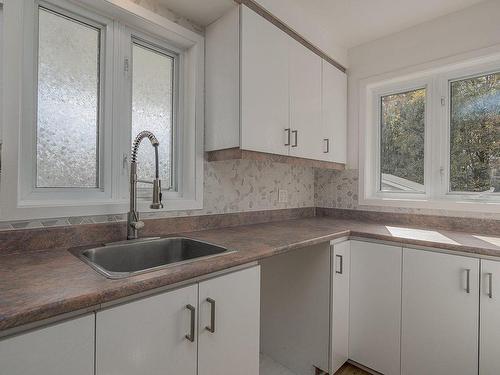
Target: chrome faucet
x=133, y=222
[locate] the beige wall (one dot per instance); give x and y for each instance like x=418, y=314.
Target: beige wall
x=448, y=39
x=452, y=37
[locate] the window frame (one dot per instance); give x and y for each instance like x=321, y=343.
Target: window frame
x=149, y=41
x=30, y=192
x=378, y=94
x=445, y=80
x=436, y=79
x=19, y=203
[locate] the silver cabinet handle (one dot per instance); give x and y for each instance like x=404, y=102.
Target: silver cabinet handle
x=327, y=140
x=490, y=284
x=296, y=139
x=192, y=310
x=467, y=282
x=211, y=327
x=288, y=137
x=341, y=263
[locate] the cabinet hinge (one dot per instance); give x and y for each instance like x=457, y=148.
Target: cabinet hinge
x=443, y=101
x=125, y=65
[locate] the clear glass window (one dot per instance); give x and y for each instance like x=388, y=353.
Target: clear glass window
x=475, y=134
x=67, y=141
x=402, y=141
x=153, y=81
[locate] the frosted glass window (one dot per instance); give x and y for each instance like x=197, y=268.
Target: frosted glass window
x=152, y=109
x=68, y=102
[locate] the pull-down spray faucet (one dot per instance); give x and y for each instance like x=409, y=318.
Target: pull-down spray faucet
x=133, y=222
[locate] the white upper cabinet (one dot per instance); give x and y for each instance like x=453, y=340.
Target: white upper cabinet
x=63, y=348
x=489, y=337
x=334, y=114
x=267, y=92
x=305, y=102
x=264, y=85
x=440, y=314
x=222, y=76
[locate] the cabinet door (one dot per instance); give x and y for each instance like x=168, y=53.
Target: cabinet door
x=334, y=114
x=489, y=360
x=375, y=306
x=340, y=305
x=229, y=324
x=264, y=85
x=148, y=336
x=64, y=348
x=305, y=102
x=439, y=314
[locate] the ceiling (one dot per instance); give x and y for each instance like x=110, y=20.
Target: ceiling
x=350, y=22
x=201, y=12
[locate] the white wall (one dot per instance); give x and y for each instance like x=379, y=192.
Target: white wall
x=310, y=19
x=454, y=37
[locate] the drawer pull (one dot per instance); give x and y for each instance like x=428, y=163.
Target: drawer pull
x=192, y=311
x=467, y=281
x=211, y=327
x=327, y=140
x=288, y=137
x=296, y=138
x=341, y=264
x=490, y=284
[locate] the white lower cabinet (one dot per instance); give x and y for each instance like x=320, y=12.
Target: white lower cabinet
x=228, y=339
x=340, y=305
x=167, y=333
x=60, y=349
x=489, y=358
x=439, y=314
x=149, y=336
x=375, y=306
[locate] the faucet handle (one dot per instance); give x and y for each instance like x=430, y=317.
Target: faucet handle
x=137, y=224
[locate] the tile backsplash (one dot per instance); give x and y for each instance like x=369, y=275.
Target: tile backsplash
x=229, y=186
x=339, y=189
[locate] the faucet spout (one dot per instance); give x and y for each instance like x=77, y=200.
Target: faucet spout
x=133, y=222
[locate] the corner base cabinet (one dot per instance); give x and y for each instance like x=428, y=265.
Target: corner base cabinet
x=339, y=335
x=59, y=349
x=375, y=306
x=207, y=328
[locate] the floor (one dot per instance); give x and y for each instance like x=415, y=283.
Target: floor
x=349, y=369
x=268, y=366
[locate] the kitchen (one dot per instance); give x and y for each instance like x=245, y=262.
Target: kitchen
x=249, y=187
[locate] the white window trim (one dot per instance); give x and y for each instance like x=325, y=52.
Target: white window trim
x=29, y=195
x=436, y=79
x=15, y=203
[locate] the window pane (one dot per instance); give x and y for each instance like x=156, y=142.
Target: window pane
x=68, y=96
x=475, y=134
x=402, y=141
x=152, y=109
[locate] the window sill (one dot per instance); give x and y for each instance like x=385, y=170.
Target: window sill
x=472, y=205
x=27, y=210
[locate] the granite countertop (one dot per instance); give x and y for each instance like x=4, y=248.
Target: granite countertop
x=41, y=285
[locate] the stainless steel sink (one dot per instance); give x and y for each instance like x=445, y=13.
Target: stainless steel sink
x=128, y=258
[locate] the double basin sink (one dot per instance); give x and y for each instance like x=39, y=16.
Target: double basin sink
x=129, y=258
